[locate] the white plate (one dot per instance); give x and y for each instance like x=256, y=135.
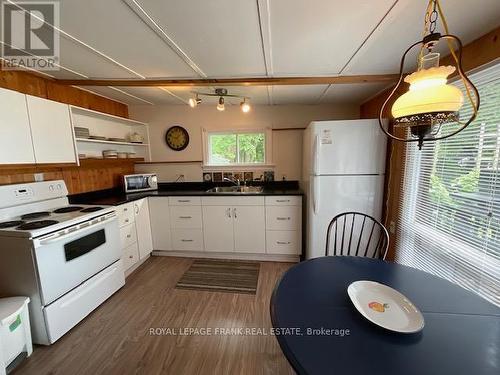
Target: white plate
x=385, y=307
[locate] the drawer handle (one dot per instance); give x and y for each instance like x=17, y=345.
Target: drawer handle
x=187, y=240
x=126, y=220
x=185, y=217
x=183, y=200
x=283, y=243
x=282, y=200
x=283, y=218
x=131, y=256
x=125, y=209
x=128, y=235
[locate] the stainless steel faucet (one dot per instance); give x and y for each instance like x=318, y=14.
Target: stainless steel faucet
x=236, y=182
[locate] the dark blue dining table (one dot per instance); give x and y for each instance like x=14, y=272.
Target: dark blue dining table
x=321, y=332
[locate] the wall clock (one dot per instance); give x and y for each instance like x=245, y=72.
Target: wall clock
x=177, y=138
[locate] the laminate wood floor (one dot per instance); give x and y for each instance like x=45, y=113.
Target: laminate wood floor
x=116, y=338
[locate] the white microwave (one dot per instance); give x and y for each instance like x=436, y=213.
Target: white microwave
x=140, y=182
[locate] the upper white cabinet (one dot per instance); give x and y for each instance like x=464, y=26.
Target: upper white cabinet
x=51, y=131
x=15, y=136
x=143, y=227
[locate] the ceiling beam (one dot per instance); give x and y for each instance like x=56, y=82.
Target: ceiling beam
x=264, y=81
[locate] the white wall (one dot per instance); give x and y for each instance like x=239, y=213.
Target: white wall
x=287, y=145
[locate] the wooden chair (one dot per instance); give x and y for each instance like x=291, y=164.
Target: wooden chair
x=357, y=234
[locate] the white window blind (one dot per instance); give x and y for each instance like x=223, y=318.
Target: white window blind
x=449, y=219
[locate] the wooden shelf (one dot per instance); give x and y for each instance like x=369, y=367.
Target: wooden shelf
x=99, y=162
x=110, y=142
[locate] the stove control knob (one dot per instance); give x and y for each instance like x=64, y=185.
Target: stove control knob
x=51, y=187
x=59, y=187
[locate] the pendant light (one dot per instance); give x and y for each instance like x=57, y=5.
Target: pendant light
x=431, y=102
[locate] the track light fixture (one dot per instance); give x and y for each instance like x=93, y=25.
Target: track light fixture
x=222, y=94
x=430, y=101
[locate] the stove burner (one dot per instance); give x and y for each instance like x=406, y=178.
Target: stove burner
x=35, y=215
x=91, y=209
x=37, y=224
x=63, y=210
x=9, y=224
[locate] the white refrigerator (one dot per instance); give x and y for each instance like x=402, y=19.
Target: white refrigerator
x=343, y=170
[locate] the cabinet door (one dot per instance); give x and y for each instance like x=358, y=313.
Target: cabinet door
x=143, y=227
x=218, y=228
x=15, y=135
x=249, y=229
x=160, y=223
x=51, y=131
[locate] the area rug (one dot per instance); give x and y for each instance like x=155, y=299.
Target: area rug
x=230, y=276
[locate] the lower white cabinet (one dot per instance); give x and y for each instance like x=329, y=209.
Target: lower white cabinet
x=249, y=229
x=135, y=231
x=230, y=224
x=218, y=228
x=143, y=227
x=159, y=211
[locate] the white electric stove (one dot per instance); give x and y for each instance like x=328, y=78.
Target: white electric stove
x=66, y=258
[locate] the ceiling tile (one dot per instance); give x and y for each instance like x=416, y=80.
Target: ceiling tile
x=318, y=37
x=222, y=37
x=309, y=94
x=117, y=94
x=403, y=27
x=352, y=93
x=113, y=28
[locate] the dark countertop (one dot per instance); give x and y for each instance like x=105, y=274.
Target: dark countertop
x=115, y=197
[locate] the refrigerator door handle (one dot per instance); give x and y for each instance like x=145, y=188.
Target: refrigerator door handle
x=316, y=153
x=315, y=195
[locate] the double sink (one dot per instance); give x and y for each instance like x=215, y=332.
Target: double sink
x=236, y=189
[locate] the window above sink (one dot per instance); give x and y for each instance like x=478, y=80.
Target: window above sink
x=251, y=148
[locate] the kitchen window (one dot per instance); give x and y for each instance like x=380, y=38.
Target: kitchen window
x=450, y=210
x=237, y=148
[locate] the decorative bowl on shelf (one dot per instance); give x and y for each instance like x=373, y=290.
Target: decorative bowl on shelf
x=136, y=138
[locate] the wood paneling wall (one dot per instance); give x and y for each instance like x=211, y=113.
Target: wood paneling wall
x=91, y=175
x=481, y=51
x=36, y=85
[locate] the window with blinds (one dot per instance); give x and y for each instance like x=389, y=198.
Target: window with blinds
x=449, y=222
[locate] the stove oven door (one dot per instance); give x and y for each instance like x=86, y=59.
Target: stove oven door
x=68, y=258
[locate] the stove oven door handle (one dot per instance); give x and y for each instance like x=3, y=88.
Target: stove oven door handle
x=57, y=237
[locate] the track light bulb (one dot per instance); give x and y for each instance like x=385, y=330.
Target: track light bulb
x=193, y=102
x=220, y=106
x=245, y=107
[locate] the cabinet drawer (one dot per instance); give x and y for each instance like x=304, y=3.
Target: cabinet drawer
x=130, y=256
x=128, y=235
x=185, y=217
x=283, y=242
x=233, y=201
x=184, y=201
x=187, y=239
x=283, y=200
x=283, y=217
x=125, y=213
